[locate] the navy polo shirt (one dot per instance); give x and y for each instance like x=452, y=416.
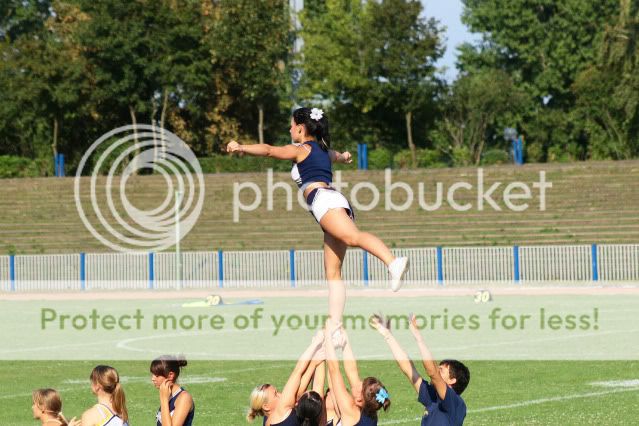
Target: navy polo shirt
x=448, y=411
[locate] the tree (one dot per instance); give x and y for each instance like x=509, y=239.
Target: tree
x=404, y=48
x=543, y=45
x=608, y=91
x=22, y=18
x=471, y=109
x=43, y=79
x=368, y=62
x=250, y=42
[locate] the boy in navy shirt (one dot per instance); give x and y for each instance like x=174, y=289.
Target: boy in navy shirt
x=441, y=397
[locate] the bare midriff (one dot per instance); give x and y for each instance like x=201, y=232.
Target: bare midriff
x=313, y=186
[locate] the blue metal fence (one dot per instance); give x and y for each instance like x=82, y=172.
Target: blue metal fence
x=291, y=268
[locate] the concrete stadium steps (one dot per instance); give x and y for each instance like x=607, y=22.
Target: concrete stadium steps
x=594, y=202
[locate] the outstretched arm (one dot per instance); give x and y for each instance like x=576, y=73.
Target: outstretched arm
x=427, y=359
x=319, y=378
x=318, y=383
x=311, y=373
x=404, y=363
x=289, y=393
x=340, y=157
x=350, y=366
x=349, y=411
x=288, y=152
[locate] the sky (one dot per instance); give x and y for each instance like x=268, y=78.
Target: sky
x=448, y=12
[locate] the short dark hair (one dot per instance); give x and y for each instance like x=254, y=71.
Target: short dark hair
x=459, y=372
x=316, y=128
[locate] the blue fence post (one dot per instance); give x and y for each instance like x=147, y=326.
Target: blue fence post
x=365, y=152
x=362, y=156
x=440, y=266
x=12, y=272
x=220, y=268
x=516, y=263
x=365, y=266
x=151, y=270
x=291, y=259
x=61, y=164
x=595, y=263
x=83, y=272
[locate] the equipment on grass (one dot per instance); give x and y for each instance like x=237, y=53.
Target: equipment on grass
x=216, y=300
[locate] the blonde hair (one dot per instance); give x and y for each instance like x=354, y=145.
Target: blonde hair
x=48, y=400
x=108, y=378
x=256, y=402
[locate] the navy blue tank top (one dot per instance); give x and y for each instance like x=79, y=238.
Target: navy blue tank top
x=189, y=419
x=316, y=167
x=366, y=421
x=291, y=420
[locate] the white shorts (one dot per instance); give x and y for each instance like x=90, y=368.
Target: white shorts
x=321, y=200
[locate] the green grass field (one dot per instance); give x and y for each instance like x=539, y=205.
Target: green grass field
x=539, y=393
x=500, y=392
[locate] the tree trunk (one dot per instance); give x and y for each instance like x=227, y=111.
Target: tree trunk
x=136, y=153
x=260, y=123
x=154, y=110
x=480, y=149
x=165, y=103
x=411, y=144
x=54, y=145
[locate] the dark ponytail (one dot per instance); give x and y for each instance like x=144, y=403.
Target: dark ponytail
x=309, y=409
x=314, y=127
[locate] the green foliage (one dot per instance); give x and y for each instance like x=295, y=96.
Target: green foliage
x=545, y=46
x=250, y=43
x=542, y=43
x=472, y=108
x=495, y=156
x=19, y=17
x=558, y=154
x=380, y=158
x=17, y=167
x=564, y=73
x=403, y=159
x=608, y=91
x=371, y=61
x=431, y=158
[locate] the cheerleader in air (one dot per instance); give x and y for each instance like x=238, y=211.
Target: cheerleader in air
x=312, y=170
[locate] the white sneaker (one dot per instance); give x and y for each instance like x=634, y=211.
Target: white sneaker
x=397, y=269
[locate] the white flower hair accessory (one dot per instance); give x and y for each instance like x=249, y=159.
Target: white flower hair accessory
x=317, y=114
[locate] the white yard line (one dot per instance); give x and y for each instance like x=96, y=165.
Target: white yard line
x=522, y=404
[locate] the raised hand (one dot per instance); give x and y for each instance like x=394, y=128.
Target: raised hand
x=318, y=338
x=347, y=157
x=412, y=326
x=381, y=324
x=232, y=147
x=165, y=390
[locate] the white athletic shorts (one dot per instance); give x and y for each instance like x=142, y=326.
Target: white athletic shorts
x=321, y=200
